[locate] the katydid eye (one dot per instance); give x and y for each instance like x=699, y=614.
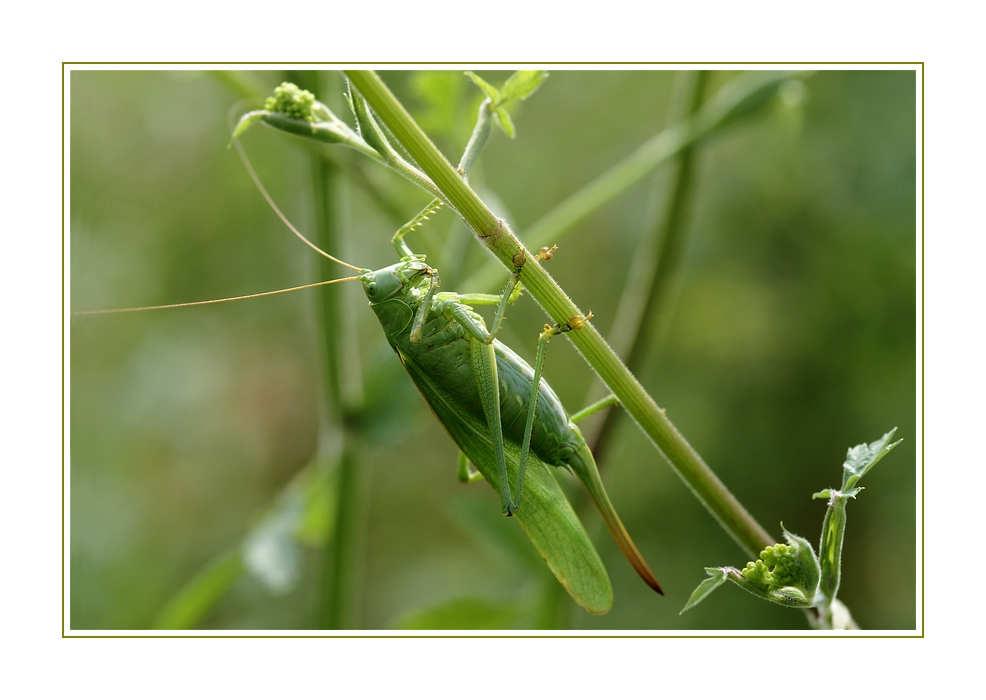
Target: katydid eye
x=371, y=288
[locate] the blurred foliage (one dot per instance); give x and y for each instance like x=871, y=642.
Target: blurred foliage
x=793, y=335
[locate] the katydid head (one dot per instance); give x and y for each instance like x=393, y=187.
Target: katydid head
x=389, y=282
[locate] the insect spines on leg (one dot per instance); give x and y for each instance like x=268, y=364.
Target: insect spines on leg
x=398, y=239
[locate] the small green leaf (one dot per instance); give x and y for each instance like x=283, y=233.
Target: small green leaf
x=717, y=577
x=368, y=128
x=861, y=458
x=504, y=122
x=807, y=561
x=490, y=91
x=522, y=84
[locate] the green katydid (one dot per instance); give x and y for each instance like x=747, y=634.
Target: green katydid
x=460, y=368
x=504, y=418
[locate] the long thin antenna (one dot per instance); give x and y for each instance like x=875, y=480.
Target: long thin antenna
x=280, y=214
x=213, y=301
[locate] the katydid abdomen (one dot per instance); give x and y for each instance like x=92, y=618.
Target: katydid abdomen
x=441, y=359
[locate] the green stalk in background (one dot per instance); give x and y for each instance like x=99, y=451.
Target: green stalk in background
x=341, y=396
x=645, y=298
x=639, y=322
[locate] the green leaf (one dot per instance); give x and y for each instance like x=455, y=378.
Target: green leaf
x=504, y=122
x=490, y=91
x=462, y=614
x=808, y=562
x=368, y=128
x=717, y=577
x=861, y=458
x=522, y=84
x=186, y=608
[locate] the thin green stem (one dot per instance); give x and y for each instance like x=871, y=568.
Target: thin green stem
x=480, y=135
x=599, y=405
x=496, y=235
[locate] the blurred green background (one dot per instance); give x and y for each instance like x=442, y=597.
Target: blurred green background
x=201, y=440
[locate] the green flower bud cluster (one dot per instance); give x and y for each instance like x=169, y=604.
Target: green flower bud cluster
x=790, y=574
x=292, y=101
x=778, y=566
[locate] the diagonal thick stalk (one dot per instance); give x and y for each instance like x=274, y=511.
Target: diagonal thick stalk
x=497, y=236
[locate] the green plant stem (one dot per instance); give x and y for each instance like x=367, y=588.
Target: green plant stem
x=496, y=235
x=636, y=310
x=340, y=553
x=480, y=135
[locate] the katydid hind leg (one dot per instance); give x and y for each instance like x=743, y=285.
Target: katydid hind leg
x=531, y=411
x=487, y=381
x=483, y=357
